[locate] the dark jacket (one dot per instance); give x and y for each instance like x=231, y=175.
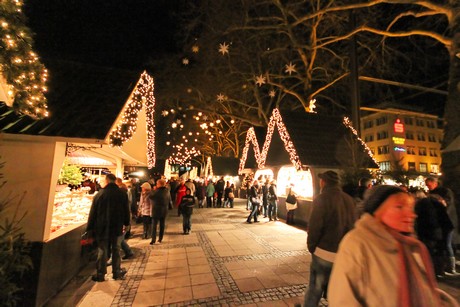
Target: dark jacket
x=160, y=198
x=432, y=223
x=332, y=216
x=272, y=193
x=187, y=204
x=109, y=212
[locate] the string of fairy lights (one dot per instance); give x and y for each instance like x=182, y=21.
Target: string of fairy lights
x=347, y=122
x=24, y=74
x=142, y=96
x=251, y=138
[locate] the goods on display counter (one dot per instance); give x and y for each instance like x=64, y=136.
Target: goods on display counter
x=70, y=208
x=301, y=181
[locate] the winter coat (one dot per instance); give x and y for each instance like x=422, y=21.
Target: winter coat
x=180, y=192
x=160, y=199
x=333, y=215
x=272, y=197
x=145, y=205
x=109, y=213
x=433, y=223
x=366, y=270
x=187, y=204
x=210, y=190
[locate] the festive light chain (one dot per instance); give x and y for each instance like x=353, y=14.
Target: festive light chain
x=347, y=123
x=277, y=120
x=250, y=139
x=143, y=95
x=25, y=75
x=208, y=170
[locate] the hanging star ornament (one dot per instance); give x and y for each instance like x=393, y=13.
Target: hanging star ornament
x=290, y=68
x=185, y=61
x=221, y=97
x=272, y=93
x=223, y=48
x=195, y=48
x=178, y=121
x=164, y=113
x=260, y=80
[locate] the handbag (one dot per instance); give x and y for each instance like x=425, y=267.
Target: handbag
x=291, y=199
x=255, y=200
x=231, y=195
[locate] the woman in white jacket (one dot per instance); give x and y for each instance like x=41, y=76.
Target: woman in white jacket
x=380, y=262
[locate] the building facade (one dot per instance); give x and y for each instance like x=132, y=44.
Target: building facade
x=410, y=139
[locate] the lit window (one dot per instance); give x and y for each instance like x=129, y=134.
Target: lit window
x=385, y=166
x=423, y=168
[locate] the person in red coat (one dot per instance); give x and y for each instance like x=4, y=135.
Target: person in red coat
x=180, y=192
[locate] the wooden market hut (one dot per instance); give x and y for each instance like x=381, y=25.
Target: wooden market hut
x=91, y=108
x=311, y=143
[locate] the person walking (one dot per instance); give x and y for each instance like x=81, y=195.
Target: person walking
x=187, y=204
x=380, y=262
x=160, y=198
x=333, y=215
x=255, y=199
x=265, y=186
x=180, y=192
x=108, y=216
x=272, y=202
x=291, y=205
x=210, y=190
x=145, y=209
x=220, y=186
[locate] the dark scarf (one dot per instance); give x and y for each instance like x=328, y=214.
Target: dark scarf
x=413, y=281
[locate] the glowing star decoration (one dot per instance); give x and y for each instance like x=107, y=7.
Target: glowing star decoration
x=272, y=93
x=185, y=61
x=347, y=123
x=164, y=113
x=221, y=97
x=189, y=90
x=24, y=75
x=312, y=106
x=178, y=121
x=261, y=80
x=224, y=48
x=195, y=48
x=142, y=96
x=290, y=68
x=276, y=120
x=251, y=139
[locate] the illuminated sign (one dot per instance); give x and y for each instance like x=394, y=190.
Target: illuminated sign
x=398, y=141
x=400, y=149
x=398, y=126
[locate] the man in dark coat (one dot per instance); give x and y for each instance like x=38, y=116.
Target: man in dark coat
x=220, y=186
x=333, y=215
x=161, y=197
x=108, y=216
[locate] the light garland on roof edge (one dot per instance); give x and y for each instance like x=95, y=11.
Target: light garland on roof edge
x=124, y=131
x=347, y=123
x=250, y=139
x=277, y=120
x=24, y=73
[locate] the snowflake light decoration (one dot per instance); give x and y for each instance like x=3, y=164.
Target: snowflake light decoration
x=195, y=49
x=290, y=68
x=261, y=80
x=185, y=61
x=164, y=113
x=221, y=97
x=224, y=48
x=272, y=93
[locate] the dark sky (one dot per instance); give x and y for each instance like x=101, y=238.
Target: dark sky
x=115, y=33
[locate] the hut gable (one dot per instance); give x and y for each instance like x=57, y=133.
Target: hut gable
x=314, y=140
x=251, y=156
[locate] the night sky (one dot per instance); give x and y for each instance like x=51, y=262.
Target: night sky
x=114, y=33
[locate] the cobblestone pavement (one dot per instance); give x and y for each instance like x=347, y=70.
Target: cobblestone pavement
x=223, y=262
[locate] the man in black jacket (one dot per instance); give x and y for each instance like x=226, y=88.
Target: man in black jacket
x=161, y=198
x=333, y=215
x=108, y=216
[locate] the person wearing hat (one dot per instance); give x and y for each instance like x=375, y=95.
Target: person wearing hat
x=145, y=209
x=333, y=215
x=380, y=262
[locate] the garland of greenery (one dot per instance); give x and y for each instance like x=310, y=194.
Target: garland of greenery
x=25, y=75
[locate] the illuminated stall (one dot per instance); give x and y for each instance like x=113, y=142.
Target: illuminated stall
x=96, y=115
x=300, y=145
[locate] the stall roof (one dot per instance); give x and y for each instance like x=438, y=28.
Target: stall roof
x=318, y=140
x=84, y=101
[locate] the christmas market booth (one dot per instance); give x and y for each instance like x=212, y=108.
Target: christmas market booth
x=300, y=145
x=99, y=119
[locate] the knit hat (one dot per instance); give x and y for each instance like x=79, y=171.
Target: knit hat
x=330, y=177
x=377, y=195
x=146, y=186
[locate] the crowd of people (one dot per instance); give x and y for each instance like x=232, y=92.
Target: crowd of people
x=381, y=246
